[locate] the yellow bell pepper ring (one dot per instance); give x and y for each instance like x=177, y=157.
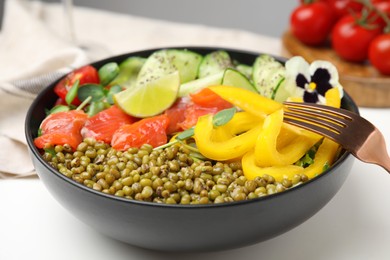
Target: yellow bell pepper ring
x=247, y=100
x=332, y=97
x=325, y=155
x=240, y=123
x=251, y=170
x=232, y=148
x=266, y=151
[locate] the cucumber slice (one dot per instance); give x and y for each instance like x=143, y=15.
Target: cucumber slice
x=186, y=62
x=163, y=62
x=234, y=78
x=246, y=70
x=267, y=75
x=157, y=65
x=214, y=62
x=282, y=93
x=128, y=72
x=198, y=84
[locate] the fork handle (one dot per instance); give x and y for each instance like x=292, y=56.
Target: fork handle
x=386, y=164
x=374, y=151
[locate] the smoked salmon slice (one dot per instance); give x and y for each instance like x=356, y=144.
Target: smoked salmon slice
x=61, y=128
x=103, y=125
x=150, y=130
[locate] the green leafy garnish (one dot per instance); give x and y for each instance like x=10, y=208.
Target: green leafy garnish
x=72, y=93
x=308, y=158
x=58, y=108
x=84, y=103
x=108, y=72
x=305, y=161
x=179, y=138
x=224, y=116
x=95, y=91
x=185, y=134
x=113, y=90
x=326, y=166
x=95, y=107
x=50, y=151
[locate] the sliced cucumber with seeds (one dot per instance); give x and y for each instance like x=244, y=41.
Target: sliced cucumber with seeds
x=267, y=75
x=198, y=84
x=186, y=62
x=214, y=63
x=282, y=93
x=128, y=72
x=164, y=62
x=235, y=78
x=246, y=70
x=156, y=66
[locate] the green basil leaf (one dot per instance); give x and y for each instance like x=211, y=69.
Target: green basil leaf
x=223, y=117
x=108, y=72
x=185, y=134
x=72, y=93
x=113, y=90
x=95, y=91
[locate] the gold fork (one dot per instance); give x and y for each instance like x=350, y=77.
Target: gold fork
x=351, y=131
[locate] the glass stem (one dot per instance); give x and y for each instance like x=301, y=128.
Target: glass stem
x=68, y=13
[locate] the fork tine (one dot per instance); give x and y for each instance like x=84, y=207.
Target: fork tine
x=314, y=119
x=321, y=119
x=354, y=133
x=312, y=127
x=333, y=120
x=343, y=113
x=327, y=115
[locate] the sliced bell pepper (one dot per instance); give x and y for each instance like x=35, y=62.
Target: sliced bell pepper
x=332, y=97
x=240, y=123
x=247, y=100
x=328, y=149
x=266, y=152
x=232, y=148
x=251, y=170
x=325, y=155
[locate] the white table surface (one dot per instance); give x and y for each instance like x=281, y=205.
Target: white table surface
x=354, y=225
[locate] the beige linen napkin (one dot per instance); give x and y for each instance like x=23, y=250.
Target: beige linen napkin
x=35, y=50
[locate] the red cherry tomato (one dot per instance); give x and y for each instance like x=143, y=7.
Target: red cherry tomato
x=344, y=7
x=86, y=74
x=312, y=23
x=351, y=40
x=384, y=7
x=379, y=53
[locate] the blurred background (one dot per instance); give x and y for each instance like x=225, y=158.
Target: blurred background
x=264, y=17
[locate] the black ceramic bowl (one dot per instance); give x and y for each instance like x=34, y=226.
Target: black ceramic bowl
x=186, y=227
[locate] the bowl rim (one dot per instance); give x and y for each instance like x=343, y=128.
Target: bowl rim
x=35, y=152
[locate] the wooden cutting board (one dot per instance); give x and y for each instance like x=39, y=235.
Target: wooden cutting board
x=361, y=81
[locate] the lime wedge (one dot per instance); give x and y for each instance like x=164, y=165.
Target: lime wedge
x=149, y=99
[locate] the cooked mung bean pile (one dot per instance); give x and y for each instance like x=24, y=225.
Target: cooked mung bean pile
x=169, y=175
